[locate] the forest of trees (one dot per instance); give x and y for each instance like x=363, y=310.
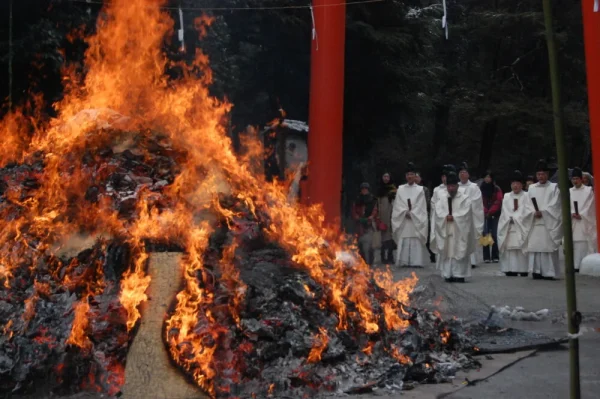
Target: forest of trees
x=482, y=96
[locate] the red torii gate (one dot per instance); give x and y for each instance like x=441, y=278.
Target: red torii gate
x=591, y=34
x=327, y=102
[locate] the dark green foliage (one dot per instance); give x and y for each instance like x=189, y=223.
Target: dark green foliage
x=482, y=96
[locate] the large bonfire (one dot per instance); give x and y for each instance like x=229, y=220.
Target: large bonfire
x=137, y=159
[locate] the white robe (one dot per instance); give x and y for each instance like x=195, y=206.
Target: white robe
x=410, y=234
x=512, y=236
x=545, y=234
x=584, y=230
x=439, y=191
x=473, y=191
x=453, y=242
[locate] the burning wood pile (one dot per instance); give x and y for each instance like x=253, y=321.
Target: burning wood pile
x=254, y=321
x=267, y=306
x=273, y=330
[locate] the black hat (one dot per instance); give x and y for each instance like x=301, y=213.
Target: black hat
x=451, y=178
x=365, y=185
x=447, y=169
x=410, y=167
x=542, y=166
x=517, y=176
x=463, y=166
x=577, y=173
x=489, y=173
x=530, y=178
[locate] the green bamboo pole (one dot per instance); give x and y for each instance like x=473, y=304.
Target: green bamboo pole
x=563, y=181
x=10, y=53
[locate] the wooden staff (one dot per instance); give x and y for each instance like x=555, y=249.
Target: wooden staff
x=516, y=204
x=409, y=205
x=535, y=205
x=576, y=205
x=449, y=206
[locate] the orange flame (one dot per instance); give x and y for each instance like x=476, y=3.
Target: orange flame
x=80, y=323
x=398, y=355
x=125, y=89
x=319, y=345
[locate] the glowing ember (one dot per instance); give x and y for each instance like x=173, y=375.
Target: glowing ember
x=445, y=336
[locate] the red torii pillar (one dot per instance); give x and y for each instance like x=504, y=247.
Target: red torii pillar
x=326, y=110
x=591, y=34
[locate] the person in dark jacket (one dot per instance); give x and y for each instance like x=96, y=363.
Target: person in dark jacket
x=364, y=212
x=385, y=203
x=492, y=197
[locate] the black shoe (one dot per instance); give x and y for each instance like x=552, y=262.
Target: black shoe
x=432, y=258
x=473, y=266
x=450, y=280
x=459, y=279
x=549, y=278
x=576, y=270
x=511, y=274
x=524, y=274
x=537, y=276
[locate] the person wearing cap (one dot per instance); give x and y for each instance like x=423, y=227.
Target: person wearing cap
x=364, y=212
x=410, y=221
x=583, y=216
x=452, y=232
x=419, y=181
x=545, y=223
x=474, y=193
x=513, y=229
x=439, y=191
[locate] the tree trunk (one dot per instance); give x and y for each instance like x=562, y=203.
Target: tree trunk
x=488, y=135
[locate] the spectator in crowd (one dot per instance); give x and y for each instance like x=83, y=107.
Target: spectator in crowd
x=529, y=182
x=364, y=212
x=385, y=202
x=588, y=180
x=492, y=204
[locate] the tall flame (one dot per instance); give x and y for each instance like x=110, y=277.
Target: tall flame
x=125, y=88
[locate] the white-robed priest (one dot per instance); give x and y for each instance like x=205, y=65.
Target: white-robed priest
x=452, y=235
x=410, y=222
x=583, y=216
x=441, y=189
x=513, y=229
x=473, y=191
x=545, y=224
